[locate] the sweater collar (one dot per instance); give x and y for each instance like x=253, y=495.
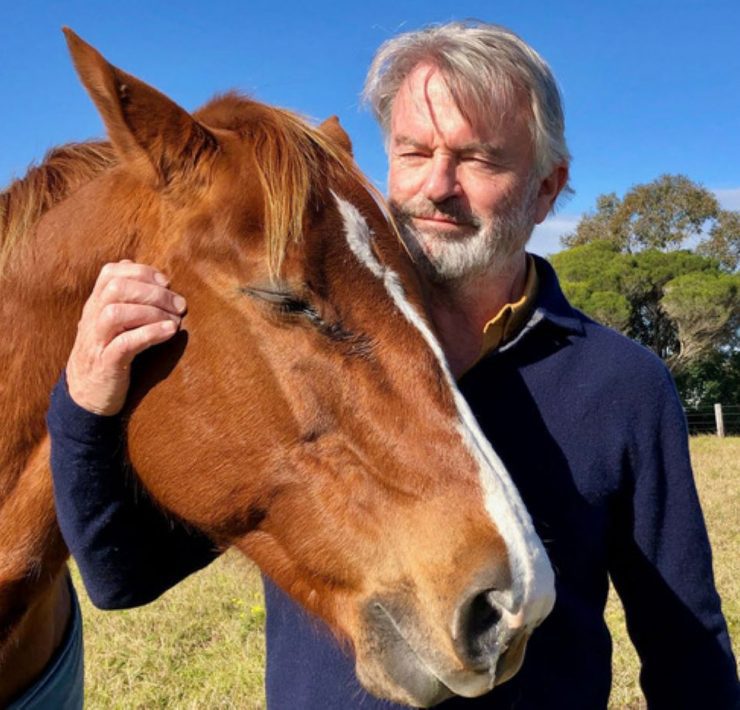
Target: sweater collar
x=551, y=302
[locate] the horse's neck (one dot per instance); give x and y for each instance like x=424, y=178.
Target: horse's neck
x=45, y=283
x=42, y=293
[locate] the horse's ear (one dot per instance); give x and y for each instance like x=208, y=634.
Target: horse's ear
x=336, y=133
x=144, y=126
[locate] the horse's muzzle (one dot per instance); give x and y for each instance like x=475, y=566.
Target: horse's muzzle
x=485, y=647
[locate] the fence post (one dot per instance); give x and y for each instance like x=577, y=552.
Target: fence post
x=720, y=421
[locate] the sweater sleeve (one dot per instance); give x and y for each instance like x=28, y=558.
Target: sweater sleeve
x=661, y=566
x=128, y=550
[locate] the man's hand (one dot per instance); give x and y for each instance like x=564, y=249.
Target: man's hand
x=130, y=310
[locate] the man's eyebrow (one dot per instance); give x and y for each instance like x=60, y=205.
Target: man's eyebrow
x=490, y=150
x=407, y=140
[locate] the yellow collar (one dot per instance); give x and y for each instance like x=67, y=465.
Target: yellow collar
x=512, y=317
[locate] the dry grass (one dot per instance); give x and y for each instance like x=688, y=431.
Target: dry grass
x=202, y=645
x=717, y=470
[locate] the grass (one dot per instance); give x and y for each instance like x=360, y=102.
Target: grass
x=201, y=644
x=717, y=472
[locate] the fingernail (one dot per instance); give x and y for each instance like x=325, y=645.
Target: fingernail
x=169, y=326
x=161, y=279
x=179, y=303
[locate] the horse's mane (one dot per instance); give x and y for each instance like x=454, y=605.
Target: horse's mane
x=292, y=159
x=63, y=171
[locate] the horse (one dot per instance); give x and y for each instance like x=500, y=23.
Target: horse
x=305, y=414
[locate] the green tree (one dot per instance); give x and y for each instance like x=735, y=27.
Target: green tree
x=645, y=276
x=663, y=214
x=591, y=276
x=723, y=241
x=628, y=292
x=704, y=307
x=711, y=379
x=628, y=267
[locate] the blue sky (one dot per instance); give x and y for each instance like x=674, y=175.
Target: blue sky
x=649, y=87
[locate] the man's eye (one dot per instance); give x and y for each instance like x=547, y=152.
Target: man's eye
x=478, y=160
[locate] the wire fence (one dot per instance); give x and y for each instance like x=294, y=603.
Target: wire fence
x=705, y=420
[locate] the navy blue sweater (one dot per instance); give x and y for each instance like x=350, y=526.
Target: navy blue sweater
x=591, y=428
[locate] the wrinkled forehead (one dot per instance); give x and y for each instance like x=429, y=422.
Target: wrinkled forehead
x=487, y=104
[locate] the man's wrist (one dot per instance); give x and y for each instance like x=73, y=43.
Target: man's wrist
x=67, y=419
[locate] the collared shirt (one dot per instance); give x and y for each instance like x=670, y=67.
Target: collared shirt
x=513, y=316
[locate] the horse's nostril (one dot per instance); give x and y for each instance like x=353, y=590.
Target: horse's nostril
x=484, y=614
x=478, y=632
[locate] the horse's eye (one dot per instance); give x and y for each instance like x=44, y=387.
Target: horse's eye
x=285, y=302
x=297, y=307
x=289, y=304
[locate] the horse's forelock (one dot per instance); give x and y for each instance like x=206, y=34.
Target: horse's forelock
x=293, y=161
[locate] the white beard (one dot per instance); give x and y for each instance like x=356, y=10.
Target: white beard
x=444, y=257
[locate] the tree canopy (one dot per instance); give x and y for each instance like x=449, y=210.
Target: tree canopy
x=661, y=266
x=664, y=214
x=723, y=241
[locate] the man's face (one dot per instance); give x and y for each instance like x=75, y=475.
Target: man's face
x=466, y=198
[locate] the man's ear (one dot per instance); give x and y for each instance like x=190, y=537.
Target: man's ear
x=549, y=189
x=146, y=128
x=336, y=133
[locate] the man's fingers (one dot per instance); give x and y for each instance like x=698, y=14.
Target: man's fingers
x=126, y=346
x=126, y=281
x=131, y=308
x=126, y=290
x=127, y=269
x=115, y=318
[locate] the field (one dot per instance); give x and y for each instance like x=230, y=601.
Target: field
x=201, y=645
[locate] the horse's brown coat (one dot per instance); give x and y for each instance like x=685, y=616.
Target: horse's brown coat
x=319, y=438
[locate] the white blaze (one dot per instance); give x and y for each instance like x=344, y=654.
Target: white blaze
x=534, y=585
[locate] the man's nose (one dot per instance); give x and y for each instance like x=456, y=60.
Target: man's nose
x=442, y=181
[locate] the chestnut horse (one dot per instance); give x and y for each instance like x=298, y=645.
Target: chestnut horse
x=305, y=415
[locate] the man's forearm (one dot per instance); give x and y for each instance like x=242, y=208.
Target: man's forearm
x=128, y=550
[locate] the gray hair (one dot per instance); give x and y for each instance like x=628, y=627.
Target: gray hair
x=483, y=66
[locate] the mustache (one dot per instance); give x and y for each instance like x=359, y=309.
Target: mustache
x=420, y=207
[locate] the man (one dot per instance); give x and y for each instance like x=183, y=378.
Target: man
x=587, y=422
